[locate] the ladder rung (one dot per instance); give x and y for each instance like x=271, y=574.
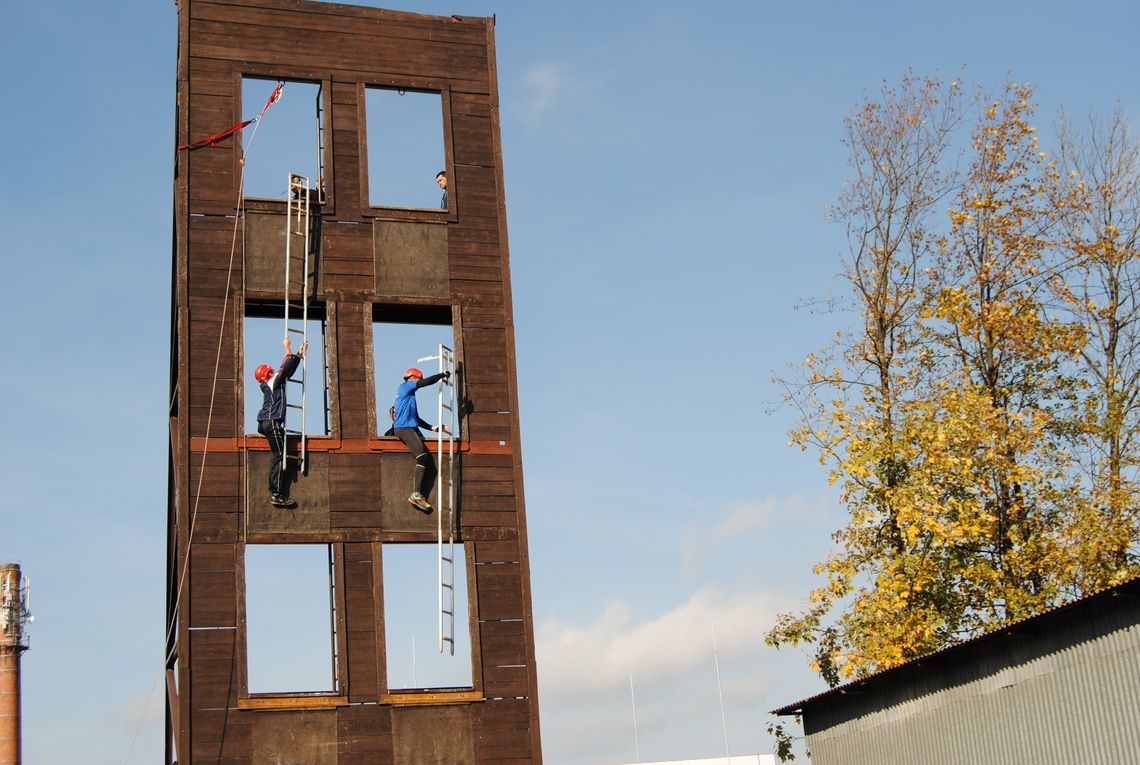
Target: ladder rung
x=297, y=331
x=292, y=432
x=294, y=406
x=449, y=613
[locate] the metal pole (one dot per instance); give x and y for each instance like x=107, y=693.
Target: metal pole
x=335, y=684
x=413, y=660
x=720, y=694
x=288, y=247
x=307, y=220
x=633, y=703
x=320, y=143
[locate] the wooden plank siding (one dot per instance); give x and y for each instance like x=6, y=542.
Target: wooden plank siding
x=353, y=475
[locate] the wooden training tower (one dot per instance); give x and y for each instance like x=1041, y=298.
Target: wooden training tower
x=368, y=264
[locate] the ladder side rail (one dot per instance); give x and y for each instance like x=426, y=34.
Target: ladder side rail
x=288, y=249
x=449, y=359
x=289, y=213
x=306, y=224
x=444, y=497
x=453, y=421
x=298, y=212
x=447, y=492
x=439, y=570
x=332, y=616
x=320, y=112
x=446, y=583
x=453, y=384
x=439, y=497
x=325, y=371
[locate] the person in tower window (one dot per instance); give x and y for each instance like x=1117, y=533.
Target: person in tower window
x=271, y=419
x=441, y=179
x=406, y=424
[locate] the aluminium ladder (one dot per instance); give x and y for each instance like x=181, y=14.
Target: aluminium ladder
x=320, y=145
x=445, y=496
x=298, y=218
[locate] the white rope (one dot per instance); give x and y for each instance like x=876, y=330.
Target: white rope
x=238, y=220
x=142, y=717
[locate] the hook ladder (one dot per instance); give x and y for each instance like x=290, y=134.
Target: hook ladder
x=298, y=218
x=446, y=416
x=320, y=186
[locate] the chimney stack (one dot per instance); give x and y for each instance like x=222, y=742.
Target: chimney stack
x=14, y=615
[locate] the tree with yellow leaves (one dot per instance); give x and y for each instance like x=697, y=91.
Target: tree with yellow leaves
x=944, y=420
x=1101, y=166
x=990, y=319
x=854, y=395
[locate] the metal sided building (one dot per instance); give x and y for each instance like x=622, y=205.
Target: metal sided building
x=332, y=228
x=1062, y=687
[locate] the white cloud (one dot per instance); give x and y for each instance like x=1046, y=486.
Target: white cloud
x=584, y=680
x=578, y=660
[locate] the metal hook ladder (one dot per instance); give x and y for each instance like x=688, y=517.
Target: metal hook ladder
x=446, y=417
x=320, y=144
x=298, y=218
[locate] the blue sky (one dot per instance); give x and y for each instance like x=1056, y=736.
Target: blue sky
x=667, y=168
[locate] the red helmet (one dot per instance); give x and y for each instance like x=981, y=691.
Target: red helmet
x=413, y=372
x=262, y=373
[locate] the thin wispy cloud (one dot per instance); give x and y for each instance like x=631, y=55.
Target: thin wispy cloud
x=762, y=513
x=754, y=518
x=544, y=84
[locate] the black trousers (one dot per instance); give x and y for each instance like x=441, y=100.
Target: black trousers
x=274, y=430
x=424, y=479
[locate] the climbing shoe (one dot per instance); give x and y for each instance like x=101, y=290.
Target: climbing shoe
x=418, y=502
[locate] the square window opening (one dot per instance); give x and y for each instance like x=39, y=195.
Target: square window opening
x=397, y=346
x=289, y=616
x=405, y=147
x=416, y=656
x=289, y=137
x=263, y=332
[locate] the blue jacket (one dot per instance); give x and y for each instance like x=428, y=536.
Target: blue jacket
x=274, y=390
x=407, y=413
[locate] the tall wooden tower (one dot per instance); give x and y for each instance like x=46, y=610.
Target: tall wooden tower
x=331, y=253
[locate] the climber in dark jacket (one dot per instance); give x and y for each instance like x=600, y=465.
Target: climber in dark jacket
x=271, y=418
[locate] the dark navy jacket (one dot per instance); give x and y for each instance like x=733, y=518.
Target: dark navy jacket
x=274, y=390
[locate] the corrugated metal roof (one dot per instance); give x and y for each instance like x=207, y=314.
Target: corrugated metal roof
x=1129, y=586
